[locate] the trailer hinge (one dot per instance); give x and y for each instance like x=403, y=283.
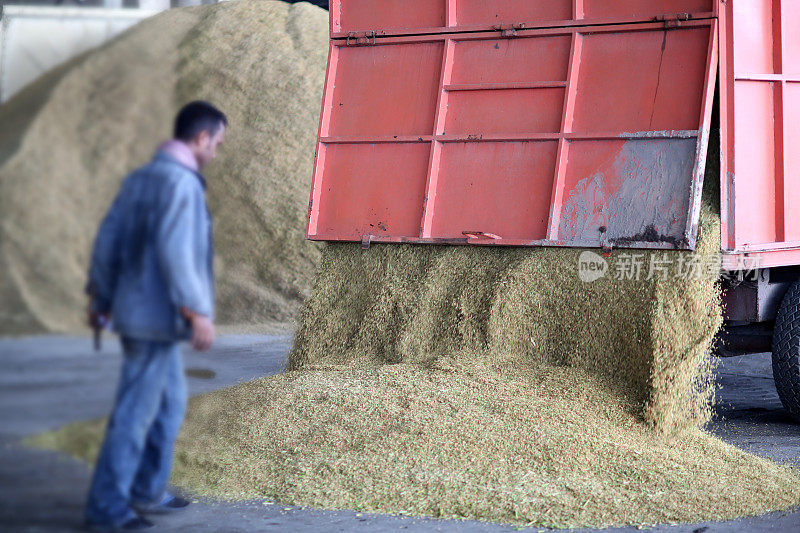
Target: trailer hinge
x=509, y=30
x=674, y=20
x=361, y=38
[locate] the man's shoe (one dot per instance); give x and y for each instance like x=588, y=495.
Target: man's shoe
x=168, y=504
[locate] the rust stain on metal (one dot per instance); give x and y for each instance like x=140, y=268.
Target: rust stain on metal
x=651, y=234
x=380, y=225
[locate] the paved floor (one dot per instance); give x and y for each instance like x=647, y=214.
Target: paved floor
x=49, y=381
x=750, y=414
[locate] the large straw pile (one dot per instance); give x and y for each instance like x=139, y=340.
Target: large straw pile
x=67, y=141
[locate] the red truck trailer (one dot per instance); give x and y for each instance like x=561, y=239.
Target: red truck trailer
x=580, y=123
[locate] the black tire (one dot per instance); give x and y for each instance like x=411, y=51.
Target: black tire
x=786, y=351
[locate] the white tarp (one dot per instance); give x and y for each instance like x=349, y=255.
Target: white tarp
x=34, y=39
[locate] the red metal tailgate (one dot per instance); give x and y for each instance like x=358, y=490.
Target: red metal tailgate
x=573, y=135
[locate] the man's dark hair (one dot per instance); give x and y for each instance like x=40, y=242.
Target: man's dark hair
x=196, y=117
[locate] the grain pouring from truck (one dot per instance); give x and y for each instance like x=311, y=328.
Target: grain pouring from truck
x=573, y=123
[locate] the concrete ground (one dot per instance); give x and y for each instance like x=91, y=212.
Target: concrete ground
x=49, y=381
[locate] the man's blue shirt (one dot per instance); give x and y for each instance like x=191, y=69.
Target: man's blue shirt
x=153, y=254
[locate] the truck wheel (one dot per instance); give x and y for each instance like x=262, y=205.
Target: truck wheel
x=786, y=351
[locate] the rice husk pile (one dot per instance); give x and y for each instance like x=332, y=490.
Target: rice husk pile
x=67, y=141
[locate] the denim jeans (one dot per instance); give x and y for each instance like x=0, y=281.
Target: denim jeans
x=136, y=456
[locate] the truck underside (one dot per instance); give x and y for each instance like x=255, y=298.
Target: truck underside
x=750, y=305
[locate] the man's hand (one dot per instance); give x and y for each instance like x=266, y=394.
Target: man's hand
x=97, y=320
x=202, y=332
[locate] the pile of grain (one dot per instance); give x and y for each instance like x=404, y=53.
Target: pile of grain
x=484, y=383
x=527, y=307
x=67, y=141
x=552, y=446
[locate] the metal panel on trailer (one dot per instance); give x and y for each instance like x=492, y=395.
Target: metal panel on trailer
x=571, y=136
x=760, y=125
x=403, y=17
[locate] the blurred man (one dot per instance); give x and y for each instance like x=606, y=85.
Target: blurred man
x=151, y=271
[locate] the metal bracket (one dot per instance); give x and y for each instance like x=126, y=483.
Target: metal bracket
x=509, y=30
x=673, y=21
x=355, y=38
